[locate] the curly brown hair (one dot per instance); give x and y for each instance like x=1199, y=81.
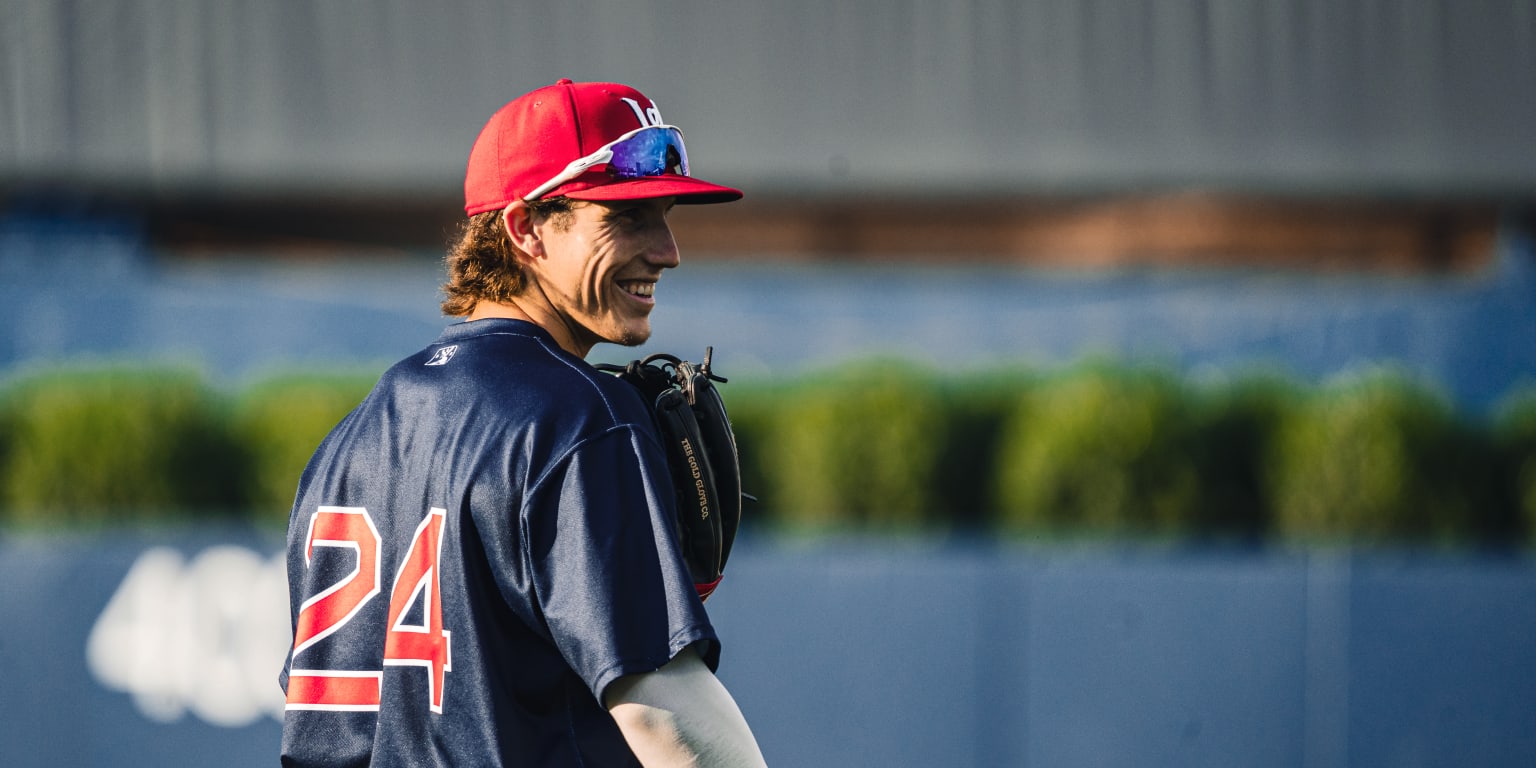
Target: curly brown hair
x=482, y=262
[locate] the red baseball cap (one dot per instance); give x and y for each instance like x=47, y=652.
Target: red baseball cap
x=536, y=137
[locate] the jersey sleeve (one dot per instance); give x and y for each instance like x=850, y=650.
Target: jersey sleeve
x=607, y=569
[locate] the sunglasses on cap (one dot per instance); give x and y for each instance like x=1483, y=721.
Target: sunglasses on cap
x=654, y=150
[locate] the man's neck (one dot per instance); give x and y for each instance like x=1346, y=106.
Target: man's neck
x=488, y=309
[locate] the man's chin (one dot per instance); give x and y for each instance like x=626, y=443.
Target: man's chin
x=631, y=337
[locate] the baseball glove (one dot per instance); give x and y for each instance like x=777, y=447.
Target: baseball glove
x=701, y=454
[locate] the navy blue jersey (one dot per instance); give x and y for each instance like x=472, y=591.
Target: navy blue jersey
x=474, y=554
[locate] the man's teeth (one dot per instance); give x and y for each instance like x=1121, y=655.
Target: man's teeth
x=640, y=289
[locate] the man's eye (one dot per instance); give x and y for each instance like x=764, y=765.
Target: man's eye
x=638, y=217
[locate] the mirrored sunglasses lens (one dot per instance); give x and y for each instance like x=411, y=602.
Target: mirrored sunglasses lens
x=650, y=153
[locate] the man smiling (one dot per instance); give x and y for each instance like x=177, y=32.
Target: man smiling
x=481, y=561
x=593, y=268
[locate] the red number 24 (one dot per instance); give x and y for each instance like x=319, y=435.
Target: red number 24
x=323, y=614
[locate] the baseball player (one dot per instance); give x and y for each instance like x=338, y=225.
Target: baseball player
x=482, y=563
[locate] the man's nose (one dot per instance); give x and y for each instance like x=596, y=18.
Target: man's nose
x=663, y=252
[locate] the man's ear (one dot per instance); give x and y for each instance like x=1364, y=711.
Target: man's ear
x=517, y=219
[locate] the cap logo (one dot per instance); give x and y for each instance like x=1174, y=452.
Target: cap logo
x=648, y=117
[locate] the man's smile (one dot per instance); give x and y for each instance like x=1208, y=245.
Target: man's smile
x=640, y=289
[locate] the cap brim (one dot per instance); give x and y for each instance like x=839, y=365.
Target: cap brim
x=686, y=189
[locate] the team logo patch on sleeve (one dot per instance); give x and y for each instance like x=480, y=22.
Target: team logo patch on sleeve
x=442, y=356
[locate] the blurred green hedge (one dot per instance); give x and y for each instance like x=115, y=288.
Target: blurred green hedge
x=88, y=445
x=1093, y=450
x=857, y=448
x=1099, y=451
x=1379, y=457
x=1514, y=437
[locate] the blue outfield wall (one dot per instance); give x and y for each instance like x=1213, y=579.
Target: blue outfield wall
x=89, y=287
x=141, y=650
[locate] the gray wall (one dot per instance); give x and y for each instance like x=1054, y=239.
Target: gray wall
x=1425, y=97
x=863, y=654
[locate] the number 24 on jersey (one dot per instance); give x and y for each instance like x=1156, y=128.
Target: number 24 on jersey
x=331, y=611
